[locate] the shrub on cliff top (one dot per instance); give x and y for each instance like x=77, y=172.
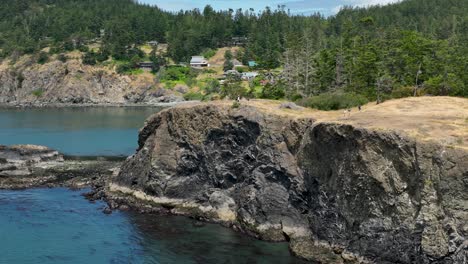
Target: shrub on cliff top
x=334, y=101
x=43, y=57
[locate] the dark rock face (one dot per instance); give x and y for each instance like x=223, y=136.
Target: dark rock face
x=340, y=194
x=389, y=198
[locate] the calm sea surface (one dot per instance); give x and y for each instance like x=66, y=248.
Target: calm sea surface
x=60, y=226
x=82, y=131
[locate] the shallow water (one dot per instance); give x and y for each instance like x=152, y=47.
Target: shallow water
x=81, y=131
x=60, y=226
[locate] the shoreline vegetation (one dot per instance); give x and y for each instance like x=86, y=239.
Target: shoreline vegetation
x=407, y=49
x=346, y=136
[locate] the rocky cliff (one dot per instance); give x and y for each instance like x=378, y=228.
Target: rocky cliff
x=339, y=193
x=71, y=82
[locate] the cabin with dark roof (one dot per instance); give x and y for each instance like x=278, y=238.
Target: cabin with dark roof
x=146, y=65
x=239, y=41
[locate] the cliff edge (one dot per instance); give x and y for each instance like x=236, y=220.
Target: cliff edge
x=340, y=190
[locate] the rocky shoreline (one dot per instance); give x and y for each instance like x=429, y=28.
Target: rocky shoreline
x=337, y=193
x=25, y=82
x=84, y=105
x=30, y=166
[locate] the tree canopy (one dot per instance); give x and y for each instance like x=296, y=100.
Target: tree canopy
x=378, y=51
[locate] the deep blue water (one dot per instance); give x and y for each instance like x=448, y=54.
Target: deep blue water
x=80, y=131
x=60, y=226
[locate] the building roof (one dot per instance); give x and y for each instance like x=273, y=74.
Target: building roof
x=198, y=59
x=250, y=74
x=252, y=64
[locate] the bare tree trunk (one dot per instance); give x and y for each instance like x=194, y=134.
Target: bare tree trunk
x=417, y=80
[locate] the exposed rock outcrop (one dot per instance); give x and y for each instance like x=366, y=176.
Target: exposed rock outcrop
x=26, y=166
x=338, y=193
x=72, y=82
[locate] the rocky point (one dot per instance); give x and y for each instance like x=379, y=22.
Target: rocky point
x=338, y=193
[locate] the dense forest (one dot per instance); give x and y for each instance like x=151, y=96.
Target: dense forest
x=410, y=48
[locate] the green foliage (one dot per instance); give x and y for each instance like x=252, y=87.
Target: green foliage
x=233, y=90
x=404, y=91
x=242, y=69
x=296, y=97
x=331, y=101
x=124, y=68
x=102, y=56
x=43, y=57
x=445, y=85
x=228, y=65
x=62, y=57
x=212, y=86
x=209, y=71
x=193, y=96
x=157, y=60
x=176, y=73
x=38, y=92
x=89, y=58
x=235, y=105
x=228, y=55
x=415, y=43
x=275, y=91
x=208, y=53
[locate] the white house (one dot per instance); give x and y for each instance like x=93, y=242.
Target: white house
x=199, y=61
x=249, y=75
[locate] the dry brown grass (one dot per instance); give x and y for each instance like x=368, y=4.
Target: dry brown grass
x=218, y=58
x=440, y=119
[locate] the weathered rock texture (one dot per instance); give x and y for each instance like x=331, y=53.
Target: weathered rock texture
x=26, y=166
x=338, y=193
x=72, y=82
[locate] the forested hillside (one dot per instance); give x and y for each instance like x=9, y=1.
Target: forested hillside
x=411, y=48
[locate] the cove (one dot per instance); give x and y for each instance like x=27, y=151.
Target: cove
x=77, y=131
x=59, y=226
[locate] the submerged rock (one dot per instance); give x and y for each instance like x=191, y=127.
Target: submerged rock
x=338, y=193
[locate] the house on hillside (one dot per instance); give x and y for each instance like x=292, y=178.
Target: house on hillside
x=239, y=41
x=146, y=65
x=253, y=64
x=247, y=76
x=198, y=62
x=153, y=43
